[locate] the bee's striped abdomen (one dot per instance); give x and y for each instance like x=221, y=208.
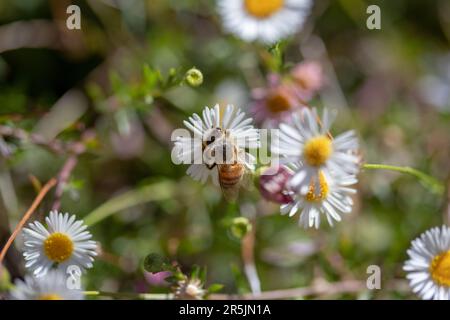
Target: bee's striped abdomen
x=230, y=175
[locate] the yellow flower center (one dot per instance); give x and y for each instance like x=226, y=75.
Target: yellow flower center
x=314, y=195
x=278, y=102
x=50, y=296
x=58, y=247
x=440, y=269
x=317, y=150
x=263, y=8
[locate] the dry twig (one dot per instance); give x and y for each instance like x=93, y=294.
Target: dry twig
x=50, y=184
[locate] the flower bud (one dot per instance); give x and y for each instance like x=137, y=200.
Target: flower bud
x=273, y=186
x=240, y=226
x=194, y=77
x=157, y=279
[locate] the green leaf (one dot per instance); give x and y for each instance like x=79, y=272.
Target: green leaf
x=276, y=51
x=175, y=278
x=202, y=274
x=153, y=192
x=239, y=279
x=216, y=287
x=151, y=77
x=195, y=272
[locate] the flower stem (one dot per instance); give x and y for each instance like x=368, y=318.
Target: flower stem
x=428, y=181
x=45, y=189
x=129, y=295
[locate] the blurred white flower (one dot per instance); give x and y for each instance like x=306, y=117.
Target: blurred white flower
x=428, y=267
x=52, y=286
x=267, y=21
x=214, y=125
x=65, y=242
x=190, y=289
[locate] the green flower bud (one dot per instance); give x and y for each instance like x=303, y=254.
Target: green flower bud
x=194, y=77
x=240, y=227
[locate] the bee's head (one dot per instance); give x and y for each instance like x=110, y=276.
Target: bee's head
x=212, y=135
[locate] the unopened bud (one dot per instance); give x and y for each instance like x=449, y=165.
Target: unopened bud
x=273, y=186
x=194, y=77
x=240, y=227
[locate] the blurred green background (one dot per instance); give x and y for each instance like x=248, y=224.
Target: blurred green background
x=392, y=85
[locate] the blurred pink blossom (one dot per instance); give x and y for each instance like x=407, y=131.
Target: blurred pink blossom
x=285, y=95
x=157, y=279
x=308, y=77
x=273, y=187
x=275, y=103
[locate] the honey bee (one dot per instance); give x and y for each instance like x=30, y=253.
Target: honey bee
x=220, y=150
x=233, y=173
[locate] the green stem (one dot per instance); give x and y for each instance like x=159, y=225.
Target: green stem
x=153, y=192
x=129, y=295
x=428, y=181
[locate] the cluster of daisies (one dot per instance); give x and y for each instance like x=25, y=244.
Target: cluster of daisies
x=317, y=170
x=56, y=254
x=321, y=169
x=315, y=177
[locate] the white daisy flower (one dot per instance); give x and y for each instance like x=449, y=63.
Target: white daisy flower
x=189, y=289
x=215, y=124
x=327, y=196
x=310, y=144
x=267, y=21
x=428, y=266
x=52, y=286
x=63, y=243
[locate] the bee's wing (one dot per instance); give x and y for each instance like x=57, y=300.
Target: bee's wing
x=231, y=194
x=247, y=179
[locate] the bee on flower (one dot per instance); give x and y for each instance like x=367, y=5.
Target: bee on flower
x=218, y=148
x=428, y=267
x=64, y=242
x=52, y=286
x=266, y=21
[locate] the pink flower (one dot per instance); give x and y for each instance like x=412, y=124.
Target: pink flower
x=273, y=186
x=276, y=103
x=157, y=279
x=308, y=78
